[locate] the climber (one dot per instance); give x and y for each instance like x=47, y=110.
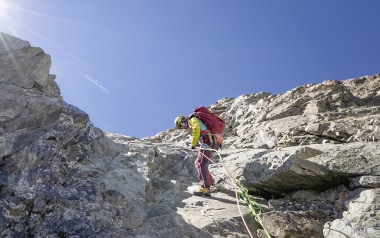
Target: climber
x=201, y=134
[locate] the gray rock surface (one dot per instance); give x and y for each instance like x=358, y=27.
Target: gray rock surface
x=309, y=158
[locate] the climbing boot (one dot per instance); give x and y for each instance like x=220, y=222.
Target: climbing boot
x=202, y=192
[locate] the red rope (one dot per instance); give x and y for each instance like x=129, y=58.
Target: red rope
x=234, y=185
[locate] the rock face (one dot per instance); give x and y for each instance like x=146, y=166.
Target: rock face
x=308, y=157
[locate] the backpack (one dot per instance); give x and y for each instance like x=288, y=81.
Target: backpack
x=214, y=123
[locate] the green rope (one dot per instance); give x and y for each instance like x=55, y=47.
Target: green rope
x=255, y=208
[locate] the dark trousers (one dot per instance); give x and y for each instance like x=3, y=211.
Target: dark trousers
x=201, y=163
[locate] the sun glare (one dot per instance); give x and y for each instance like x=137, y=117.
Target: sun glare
x=4, y=6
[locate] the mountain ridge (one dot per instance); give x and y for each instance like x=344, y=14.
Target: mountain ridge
x=308, y=158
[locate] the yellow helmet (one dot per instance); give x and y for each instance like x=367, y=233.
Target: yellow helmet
x=178, y=120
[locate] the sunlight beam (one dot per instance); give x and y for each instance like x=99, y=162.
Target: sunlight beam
x=96, y=83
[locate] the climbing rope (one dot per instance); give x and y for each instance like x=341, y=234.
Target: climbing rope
x=241, y=193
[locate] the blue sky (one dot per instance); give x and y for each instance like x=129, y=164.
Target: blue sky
x=134, y=65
